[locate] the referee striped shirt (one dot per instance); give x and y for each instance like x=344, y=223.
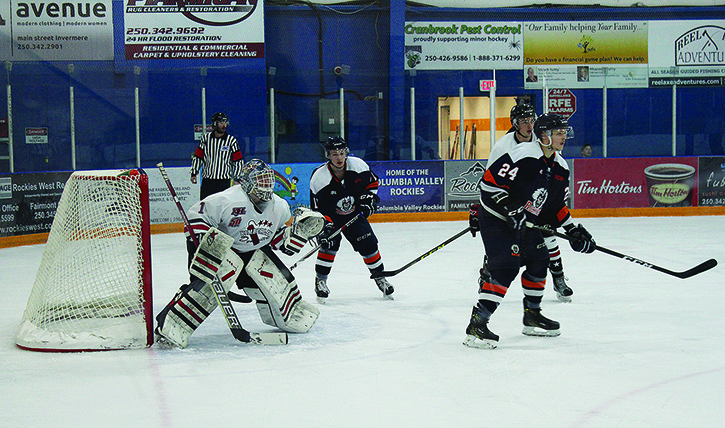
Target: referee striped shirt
x=219, y=157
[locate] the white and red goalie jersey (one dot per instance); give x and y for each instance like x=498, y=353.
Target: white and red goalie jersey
x=232, y=212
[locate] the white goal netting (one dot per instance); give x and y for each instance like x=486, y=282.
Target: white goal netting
x=93, y=288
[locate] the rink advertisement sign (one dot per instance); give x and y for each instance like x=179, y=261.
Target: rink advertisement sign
x=635, y=182
x=461, y=183
x=561, y=102
x=463, y=45
x=190, y=29
x=162, y=207
x=410, y=186
x=28, y=202
x=687, y=53
x=711, y=184
x=52, y=30
x=585, y=54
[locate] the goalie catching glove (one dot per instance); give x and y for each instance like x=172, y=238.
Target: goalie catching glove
x=581, y=240
x=306, y=224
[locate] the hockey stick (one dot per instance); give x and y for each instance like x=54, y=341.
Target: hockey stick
x=225, y=305
x=702, y=267
x=332, y=235
x=424, y=255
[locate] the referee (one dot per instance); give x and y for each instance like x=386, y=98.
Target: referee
x=219, y=155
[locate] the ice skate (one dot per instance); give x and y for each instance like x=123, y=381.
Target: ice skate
x=321, y=290
x=385, y=287
x=477, y=333
x=563, y=292
x=536, y=324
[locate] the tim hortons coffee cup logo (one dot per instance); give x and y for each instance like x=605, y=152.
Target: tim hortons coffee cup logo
x=670, y=184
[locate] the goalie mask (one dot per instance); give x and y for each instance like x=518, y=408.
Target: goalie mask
x=257, y=179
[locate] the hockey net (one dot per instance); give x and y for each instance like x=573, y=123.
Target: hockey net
x=93, y=288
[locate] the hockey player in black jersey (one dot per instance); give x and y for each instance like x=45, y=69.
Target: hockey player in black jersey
x=340, y=189
x=530, y=183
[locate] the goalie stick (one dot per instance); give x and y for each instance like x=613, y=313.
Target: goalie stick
x=424, y=255
x=317, y=247
x=702, y=267
x=225, y=305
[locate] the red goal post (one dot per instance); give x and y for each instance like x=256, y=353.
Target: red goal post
x=93, y=287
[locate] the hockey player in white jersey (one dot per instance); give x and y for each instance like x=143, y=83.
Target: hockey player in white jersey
x=258, y=221
x=522, y=118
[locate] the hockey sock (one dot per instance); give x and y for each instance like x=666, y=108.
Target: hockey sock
x=533, y=290
x=325, y=259
x=373, y=261
x=555, y=265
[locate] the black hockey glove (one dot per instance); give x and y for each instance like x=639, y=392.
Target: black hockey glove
x=474, y=210
x=581, y=240
x=323, y=238
x=368, y=203
x=516, y=219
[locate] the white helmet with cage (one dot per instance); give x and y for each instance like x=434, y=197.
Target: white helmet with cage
x=257, y=179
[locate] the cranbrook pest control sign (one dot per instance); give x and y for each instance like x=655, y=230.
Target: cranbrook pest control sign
x=468, y=45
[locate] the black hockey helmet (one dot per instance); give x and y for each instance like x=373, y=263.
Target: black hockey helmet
x=336, y=143
x=219, y=117
x=548, y=122
x=520, y=111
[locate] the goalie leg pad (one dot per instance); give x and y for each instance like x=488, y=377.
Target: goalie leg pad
x=210, y=254
x=191, y=305
x=278, y=298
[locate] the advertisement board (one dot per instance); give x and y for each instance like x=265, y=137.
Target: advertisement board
x=635, y=182
x=213, y=30
x=711, y=183
x=466, y=45
x=461, y=183
x=410, y=186
x=28, y=202
x=43, y=30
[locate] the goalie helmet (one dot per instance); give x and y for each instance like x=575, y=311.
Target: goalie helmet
x=520, y=111
x=219, y=117
x=257, y=179
x=336, y=143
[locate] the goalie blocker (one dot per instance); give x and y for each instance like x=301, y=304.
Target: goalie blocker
x=264, y=278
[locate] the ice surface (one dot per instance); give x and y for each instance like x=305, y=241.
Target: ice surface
x=638, y=348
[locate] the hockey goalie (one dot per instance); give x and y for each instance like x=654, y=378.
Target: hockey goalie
x=237, y=231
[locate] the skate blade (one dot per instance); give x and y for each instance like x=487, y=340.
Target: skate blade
x=388, y=297
x=563, y=298
x=536, y=331
x=474, y=342
x=321, y=300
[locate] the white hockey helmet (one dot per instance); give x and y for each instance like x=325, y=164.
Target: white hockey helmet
x=257, y=179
